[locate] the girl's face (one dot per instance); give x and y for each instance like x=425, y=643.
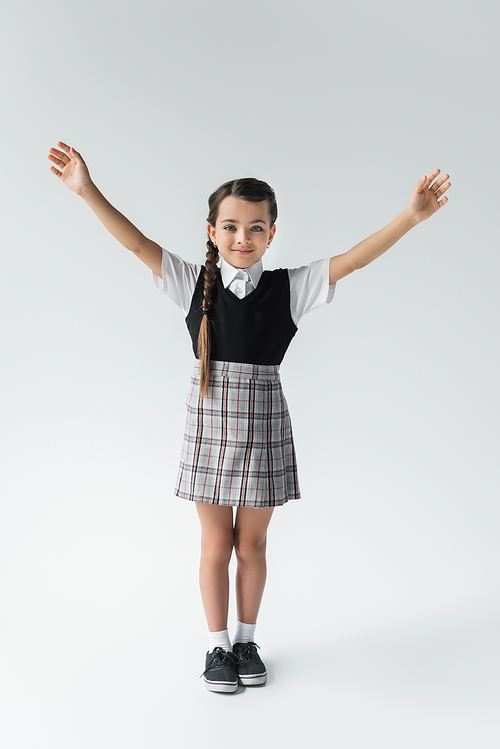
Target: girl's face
x=242, y=231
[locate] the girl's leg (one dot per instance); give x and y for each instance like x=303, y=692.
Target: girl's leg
x=250, y=534
x=217, y=541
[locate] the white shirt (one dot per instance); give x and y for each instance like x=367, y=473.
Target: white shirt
x=309, y=284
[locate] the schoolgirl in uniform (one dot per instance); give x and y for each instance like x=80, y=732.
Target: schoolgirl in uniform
x=238, y=448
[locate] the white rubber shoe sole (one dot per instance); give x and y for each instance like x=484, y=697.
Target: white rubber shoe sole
x=221, y=686
x=252, y=680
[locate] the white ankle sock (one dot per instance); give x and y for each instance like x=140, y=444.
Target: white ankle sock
x=220, y=640
x=244, y=632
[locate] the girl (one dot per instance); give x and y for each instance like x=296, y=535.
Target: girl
x=238, y=446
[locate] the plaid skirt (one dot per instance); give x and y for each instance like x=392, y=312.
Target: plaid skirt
x=238, y=445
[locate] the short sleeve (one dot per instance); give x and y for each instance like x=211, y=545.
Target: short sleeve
x=178, y=279
x=310, y=288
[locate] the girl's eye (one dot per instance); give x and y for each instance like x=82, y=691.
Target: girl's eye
x=230, y=226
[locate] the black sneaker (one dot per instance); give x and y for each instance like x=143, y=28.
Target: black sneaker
x=221, y=671
x=251, y=670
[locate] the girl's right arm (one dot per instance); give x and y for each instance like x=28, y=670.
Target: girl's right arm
x=74, y=173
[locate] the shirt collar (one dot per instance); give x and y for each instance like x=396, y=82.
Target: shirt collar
x=228, y=272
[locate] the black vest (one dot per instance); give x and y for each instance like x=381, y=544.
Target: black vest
x=256, y=329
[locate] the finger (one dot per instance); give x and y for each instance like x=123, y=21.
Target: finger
x=429, y=178
x=440, y=181
x=443, y=189
x=55, y=171
x=75, y=155
x=63, y=145
x=61, y=154
x=60, y=162
x=433, y=176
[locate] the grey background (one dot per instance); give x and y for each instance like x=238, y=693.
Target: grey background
x=379, y=623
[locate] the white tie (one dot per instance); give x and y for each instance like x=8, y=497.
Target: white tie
x=239, y=283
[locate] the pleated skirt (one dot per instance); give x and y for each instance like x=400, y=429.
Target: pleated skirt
x=238, y=447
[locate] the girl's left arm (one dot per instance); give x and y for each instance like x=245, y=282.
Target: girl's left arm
x=423, y=203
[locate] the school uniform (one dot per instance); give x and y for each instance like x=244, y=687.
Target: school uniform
x=238, y=447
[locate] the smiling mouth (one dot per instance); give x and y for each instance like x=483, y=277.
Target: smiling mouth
x=243, y=252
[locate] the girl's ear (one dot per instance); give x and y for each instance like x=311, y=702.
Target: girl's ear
x=272, y=232
x=211, y=231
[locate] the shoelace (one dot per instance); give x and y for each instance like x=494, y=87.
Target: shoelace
x=248, y=651
x=221, y=659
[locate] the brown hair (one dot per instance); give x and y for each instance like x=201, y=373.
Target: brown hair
x=246, y=188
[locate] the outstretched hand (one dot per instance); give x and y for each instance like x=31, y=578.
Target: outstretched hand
x=72, y=170
x=424, y=200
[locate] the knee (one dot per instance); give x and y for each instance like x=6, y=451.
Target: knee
x=250, y=549
x=217, y=550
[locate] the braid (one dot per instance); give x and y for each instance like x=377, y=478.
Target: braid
x=204, y=334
